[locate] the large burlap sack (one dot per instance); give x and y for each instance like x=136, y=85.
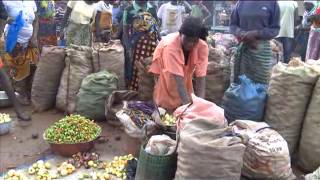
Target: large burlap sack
x=267, y=154
x=78, y=66
x=146, y=80
x=110, y=57
x=47, y=77
x=309, y=148
x=217, y=79
x=245, y=100
x=289, y=93
x=94, y=91
x=206, y=153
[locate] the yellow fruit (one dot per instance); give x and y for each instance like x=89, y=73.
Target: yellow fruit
x=47, y=165
x=64, y=172
x=90, y=163
x=31, y=171
x=11, y=173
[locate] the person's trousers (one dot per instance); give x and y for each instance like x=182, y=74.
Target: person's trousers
x=287, y=44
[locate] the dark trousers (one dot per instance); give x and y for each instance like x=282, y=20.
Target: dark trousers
x=287, y=44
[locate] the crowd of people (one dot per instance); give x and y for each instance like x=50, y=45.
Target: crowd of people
x=173, y=32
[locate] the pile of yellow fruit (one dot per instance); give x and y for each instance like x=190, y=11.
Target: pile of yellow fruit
x=41, y=170
x=14, y=175
x=66, y=169
x=118, y=166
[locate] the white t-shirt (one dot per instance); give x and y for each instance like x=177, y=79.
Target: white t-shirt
x=82, y=13
x=101, y=6
x=28, y=9
x=171, y=16
x=287, y=9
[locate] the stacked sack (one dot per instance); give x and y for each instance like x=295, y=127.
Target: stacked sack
x=110, y=57
x=289, y=92
x=47, y=77
x=217, y=79
x=267, y=154
x=309, y=148
x=78, y=65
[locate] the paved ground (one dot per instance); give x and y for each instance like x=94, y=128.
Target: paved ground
x=18, y=147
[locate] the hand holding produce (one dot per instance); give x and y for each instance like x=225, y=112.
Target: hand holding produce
x=4, y=118
x=72, y=129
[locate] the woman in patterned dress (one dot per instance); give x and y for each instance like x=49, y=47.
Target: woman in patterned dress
x=140, y=37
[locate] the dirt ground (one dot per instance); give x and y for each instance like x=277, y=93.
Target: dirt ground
x=20, y=146
x=25, y=145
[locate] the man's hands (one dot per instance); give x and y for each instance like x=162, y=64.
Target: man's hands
x=250, y=38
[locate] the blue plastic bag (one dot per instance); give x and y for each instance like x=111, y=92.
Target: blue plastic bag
x=245, y=101
x=13, y=31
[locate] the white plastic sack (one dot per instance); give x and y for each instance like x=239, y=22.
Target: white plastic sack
x=267, y=154
x=130, y=127
x=160, y=145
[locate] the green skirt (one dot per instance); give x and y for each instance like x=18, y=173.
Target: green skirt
x=79, y=34
x=254, y=63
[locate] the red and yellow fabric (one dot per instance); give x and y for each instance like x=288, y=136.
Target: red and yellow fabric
x=168, y=60
x=19, y=63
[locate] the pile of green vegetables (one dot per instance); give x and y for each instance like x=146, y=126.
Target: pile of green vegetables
x=71, y=130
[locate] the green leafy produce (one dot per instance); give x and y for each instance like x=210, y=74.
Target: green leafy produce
x=72, y=129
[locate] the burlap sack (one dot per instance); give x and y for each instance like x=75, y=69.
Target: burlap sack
x=47, y=78
x=309, y=149
x=78, y=66
x=146, y=80
x=289, y=92
x=217, y=79
x=267, y=154
x=205, y=153
x=110, y=57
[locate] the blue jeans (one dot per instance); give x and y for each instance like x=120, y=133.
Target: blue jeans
x=287, y=44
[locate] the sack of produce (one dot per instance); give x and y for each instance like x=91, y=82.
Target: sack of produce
x=200, y=109
x=309, y=147
x=78, y=66
x=115, y=102
x=205, y=152
x=47, y=78
x=217, y=78
x=146, y=80
x=136, y=123
x=110, y=57
x=289, y=92
x=267, y=154
x=245, y=100
x=94, y=91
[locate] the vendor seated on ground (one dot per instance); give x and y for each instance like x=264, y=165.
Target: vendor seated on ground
x=177, y=59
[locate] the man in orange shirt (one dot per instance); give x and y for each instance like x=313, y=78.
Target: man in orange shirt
x=178, y=58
